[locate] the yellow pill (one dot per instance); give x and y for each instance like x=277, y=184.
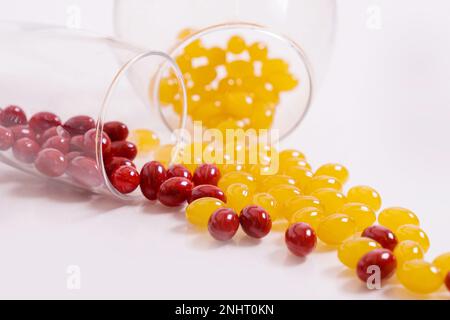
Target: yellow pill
x=353, y=249
x=184, y=62
x=268, y=202
x=334, y=170
x=336, y=228
x=260, y=172
x=331, y=200
x=310, y=215
x=239, y=104
x=282, y=193
x=236, y=44
x=203, y=75
x=145, y=140
x=237, y=177
x=415, y=233
x=301, y=202
x=273, y=66
x=285, y=164
x=394, y=217
x=258, y=51
x=291, y=153
x=216, y=56
x=301, y=175
x=362, y=214
x=443, y=263
x=230, y=167
x=262, y=115
x=322, y=182
x=366, y=195
x=168, y=88
x=199, y=211
x=229, y=124
x=206, y=110
x=184, y=33
x=269, y=182
x=238, y=196
x=408, y=250
x=228, y=84
x=239, y=68
x=195, y=49
x=165, y=154
x=420, y=276
x=283, y=81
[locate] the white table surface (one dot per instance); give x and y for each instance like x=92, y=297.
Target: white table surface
x=383, y=111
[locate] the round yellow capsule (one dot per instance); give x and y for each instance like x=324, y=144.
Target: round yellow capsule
x=239, y=68
x=168, y=88
x=216, y=56
x=301, y=175
x=203, y=75
x=331, y=200
x=268, y=202
x=420, y=276
x=291, y=153
x=334, y=170
x=310, y=215
x=145, y=140
x=239, y=104
x=195, y=49
x=443, y=263
x=282, y=193
x=322, y=182
x=258, y=51
x=336, y=228
x=199, y=211
x=260, y=171
x=236, y=44
x=296, y=204
x=394, y=217
x=274, y=66
x=362, y=214
x=366, y=195
x=230, y=167
x=262, y=115
x=408, y=250
x=415, y=233
x=184, y=33
x=237, y=177
x=238, y=196
x=275, y=180
x=352, y=250
x=285, y=164
x=283, y=81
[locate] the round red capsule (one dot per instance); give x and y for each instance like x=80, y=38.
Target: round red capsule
x=153, y=174
x=77, y=143
x=51, y=162
x=6, y=138
x=85, y=171
x=117, y=131
x=79, y=125
x=59, y=143
x=26, y=150
x=206, y=174
x=115, y=162
x=125, y=179
x=23, y=131
x=385, y=237
x=89, y=143
x=124, y=149
x=255, y=221
x=223, y=224
x=300, y=239
x=178, y=170
x=447, y=281
x=175, y=191
x=52, y=132
x=207, y=190
x=12, y=116
x=72, y=155
x=378, y=260
x=42, y=121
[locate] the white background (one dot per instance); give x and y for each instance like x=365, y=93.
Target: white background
x=384, y=111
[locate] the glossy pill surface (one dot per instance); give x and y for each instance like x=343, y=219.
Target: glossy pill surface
x=175, y=191
x=408, y=250
x=297, y=203
x=415, y=233
x=331, y=200
x=42, y=121
x=26, y=150
x=309, y=215
x=6, y=138
x=23, y=131
x=116, y=130
x=153, y=174
x=207, y=191
x=366, y=195
x=395, y=217
x=84, y=170
x=322, y=182
x=443, y=262
x=363, y=215
x=124, y=149
x=447, y=281
x=51, y=162
x=420, y=276
x=334, y=170
x=384, y=259
x=336, y=228
x=206, y=174
x=79, y=125
x=382, y=235
x=237, y=177
x=57, y=142
x=255, y=221
x=114, y=163
x=199, y=211
x=223, y=224
x=238, y=196
x=178, y=170
x=300, y=239
x=125, y=179
x=89, y=144
x=11, y=116
x=353, y=249
x=282, y=193
x=268, y=202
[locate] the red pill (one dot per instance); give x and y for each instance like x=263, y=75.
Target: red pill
x=255, y=221
x=42, y=121
x=125, y=179
x=447, y=281
x=85, y=171
x=115, y=162
x=385, y=237
x=175, y=191
x=52, y=132
x=378, y=260
x=79, y=125
x=178, y=170
x=58, y=143
x=206, y=174
x=51, y=162
x=6, y=138
x=207, y=190
x=77, y=143
x=124, y=149
x=12, y=116
x=72, y=155
x=89, y=143
x=23, y=131
x=300, y=239
x=117, y=131
x=26, y=150
x=153, y=174
x=223, y=224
